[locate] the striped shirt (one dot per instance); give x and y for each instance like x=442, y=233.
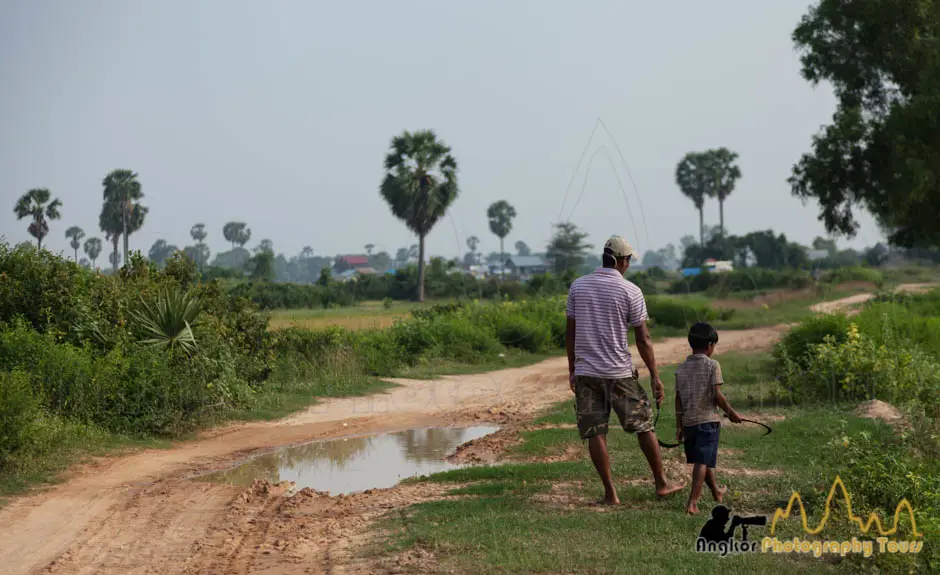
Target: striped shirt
x=604, y=306
x=696, y=379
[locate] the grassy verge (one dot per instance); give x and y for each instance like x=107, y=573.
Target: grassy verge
x=532, y=516
x=365, y=315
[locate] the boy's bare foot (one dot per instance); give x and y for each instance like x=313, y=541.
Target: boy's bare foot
x=720, y=494
x=669, y=489
x=692, y=509
x=608, y=501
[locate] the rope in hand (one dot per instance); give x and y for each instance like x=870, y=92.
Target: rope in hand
x=665, y=445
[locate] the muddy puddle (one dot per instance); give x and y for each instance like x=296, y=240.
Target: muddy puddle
x=355, y=464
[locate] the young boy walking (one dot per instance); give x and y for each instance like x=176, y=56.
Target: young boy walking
x=698, y=397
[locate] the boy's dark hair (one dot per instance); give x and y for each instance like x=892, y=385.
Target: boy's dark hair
x=701, y=335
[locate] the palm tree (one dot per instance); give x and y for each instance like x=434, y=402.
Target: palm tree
x=236, y=233
x=369, y=248
x=500, y=215
x=420, y=184
x=161, y=251
x=93, y=249
x=692, y=177
x=724, y=175
x=198, y=233
x=473, y=243
x=35, y=204
x=121, y=214
x=522, y=248
x=306, y=253
x=76, y=234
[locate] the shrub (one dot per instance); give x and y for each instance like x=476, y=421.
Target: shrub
x=19, y=407
x=525, y=334
x=798, y=343
x=672, y=312
x=746, y=279
x=853, y=274
x=858, y=368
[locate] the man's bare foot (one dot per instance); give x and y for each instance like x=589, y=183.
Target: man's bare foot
x=692, y=509
x=669, y=489
x=608, y=501
x=720, y=494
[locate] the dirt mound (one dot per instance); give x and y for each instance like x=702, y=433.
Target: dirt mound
x=877, y=409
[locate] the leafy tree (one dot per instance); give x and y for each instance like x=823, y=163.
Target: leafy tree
x=381, y=261
x=121, y=214
x=161, y=251
x=265, y=246
x=196, y=253
x=881, y=151
x=825, y=244
x=198, y=233
x=522, y=248
x=35, y=204
x=84, y=263
x=500, y=215
x=306, y=253
x=92, y=249
x=401, y=256
x=325, y=277
x=420, y=184
x=262, y=265
x=692, y=177
x=75, y=234
x=369, y=248
x=236, y=233
x=567, y=249
x=724, y=174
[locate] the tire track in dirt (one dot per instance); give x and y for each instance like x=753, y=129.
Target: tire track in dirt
x=141, y=514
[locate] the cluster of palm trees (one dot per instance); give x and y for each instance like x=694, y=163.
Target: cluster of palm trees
x=121, y=215
x=420, y=184
x=709, y=174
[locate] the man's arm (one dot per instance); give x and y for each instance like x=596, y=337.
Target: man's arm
x=569, y=347
x=644, y=344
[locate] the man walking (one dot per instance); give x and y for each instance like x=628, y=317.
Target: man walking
x=602, y=307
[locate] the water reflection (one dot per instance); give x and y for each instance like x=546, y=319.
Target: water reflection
x=356, y=463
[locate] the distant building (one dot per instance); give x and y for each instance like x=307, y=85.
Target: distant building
x=524, y=267
x=345, y=263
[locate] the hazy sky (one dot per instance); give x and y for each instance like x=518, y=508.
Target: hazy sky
x=279, y=112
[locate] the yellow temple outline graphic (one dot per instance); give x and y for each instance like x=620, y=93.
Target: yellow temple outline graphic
x=863, y=526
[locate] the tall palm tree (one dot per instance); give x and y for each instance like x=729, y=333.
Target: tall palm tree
x=93, y=249
x=121, y=214
x=35, y=204
x=76, y=234
x=236, y=233
x=724, y=175
x=473, y=243
x=198, y=233
x=500, y=215
x=692, y=177
x=369, y=248
x=420, y=184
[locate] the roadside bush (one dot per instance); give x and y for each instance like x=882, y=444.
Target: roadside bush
x=672, y=312
x=746, y=279
x=19, y=407
x=796, y=346
x=853, y=274
x=882, y=469
x=858, y=368
x=525, y=334
x=269, y=295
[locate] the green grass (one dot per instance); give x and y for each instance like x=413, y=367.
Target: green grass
x=504, y=524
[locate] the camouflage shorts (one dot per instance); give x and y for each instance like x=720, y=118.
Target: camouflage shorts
x=595, y=396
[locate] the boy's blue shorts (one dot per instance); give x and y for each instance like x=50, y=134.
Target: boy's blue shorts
x=701, y=443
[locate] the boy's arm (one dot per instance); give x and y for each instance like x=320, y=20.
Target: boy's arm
x=720, y=398
x=678, y=416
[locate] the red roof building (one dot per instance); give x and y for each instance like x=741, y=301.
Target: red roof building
x=344, y=263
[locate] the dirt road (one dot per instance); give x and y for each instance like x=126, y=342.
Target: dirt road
x=143, y=514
